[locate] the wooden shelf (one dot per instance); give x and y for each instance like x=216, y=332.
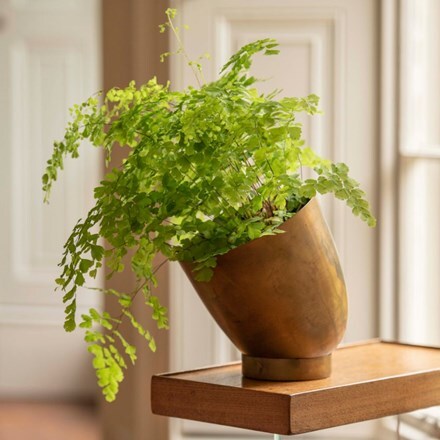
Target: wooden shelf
x=369, y=380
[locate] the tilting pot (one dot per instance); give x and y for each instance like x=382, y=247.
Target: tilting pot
x=281, y=299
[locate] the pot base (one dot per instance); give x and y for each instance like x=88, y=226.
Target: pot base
x=261, y=368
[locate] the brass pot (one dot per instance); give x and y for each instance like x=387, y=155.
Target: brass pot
x=281, y=299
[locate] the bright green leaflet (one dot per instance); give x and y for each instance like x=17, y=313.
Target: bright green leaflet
x=209, y=169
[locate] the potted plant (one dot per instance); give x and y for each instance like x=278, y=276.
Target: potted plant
x=214, y=176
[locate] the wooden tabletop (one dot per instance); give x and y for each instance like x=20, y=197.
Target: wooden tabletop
x=369, y=380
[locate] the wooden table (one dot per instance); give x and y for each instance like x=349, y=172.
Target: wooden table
x=369, y=380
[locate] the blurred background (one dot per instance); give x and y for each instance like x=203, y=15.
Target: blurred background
x=376, y=66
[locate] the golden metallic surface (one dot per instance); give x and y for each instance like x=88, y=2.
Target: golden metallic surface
x=281, y=296
x=286, y=369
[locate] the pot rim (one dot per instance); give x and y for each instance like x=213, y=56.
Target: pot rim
x=283, y=226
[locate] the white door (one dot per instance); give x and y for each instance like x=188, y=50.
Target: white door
x=328, y=47
x=49, y=60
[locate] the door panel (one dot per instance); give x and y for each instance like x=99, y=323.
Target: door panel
x=50, y=59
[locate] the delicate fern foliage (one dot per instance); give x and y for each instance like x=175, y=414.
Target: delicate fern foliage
x=209, y=169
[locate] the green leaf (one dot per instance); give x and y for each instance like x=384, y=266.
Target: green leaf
x=79, y=279
x=152, y=345
x=69, y=295
x=94, y=336
x=99, y=363
x=59, y=281
x=97, y=252
x=86, y=322
x=94, y=315
x=203, y=274
x=125, y=300
x=69, y=321
x=159, y=312
x=85, y=265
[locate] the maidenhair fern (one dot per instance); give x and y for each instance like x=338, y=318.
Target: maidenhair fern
x=209, y=169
